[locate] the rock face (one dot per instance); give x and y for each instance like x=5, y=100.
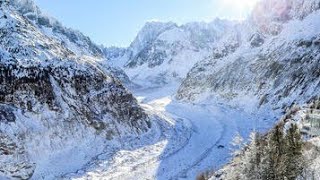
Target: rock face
x=165, y=52
x=56, y=100
x=279, y=65
x=14, y=162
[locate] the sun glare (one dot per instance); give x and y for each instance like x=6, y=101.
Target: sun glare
x=238, y=8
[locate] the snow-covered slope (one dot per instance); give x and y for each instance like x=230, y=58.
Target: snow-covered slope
x=165, y=52
x=73, y=39
x=298, y=160
x=272, y=58
x=77, y=43
x=58, y=106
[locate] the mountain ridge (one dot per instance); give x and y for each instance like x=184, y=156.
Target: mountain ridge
x=56, y=102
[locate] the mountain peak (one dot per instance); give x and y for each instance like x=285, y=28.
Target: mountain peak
x=150, y=31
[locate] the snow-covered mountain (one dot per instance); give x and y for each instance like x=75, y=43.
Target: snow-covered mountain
x=73, y=39
x=59, y=105
x=165, y=52
x=271, y=58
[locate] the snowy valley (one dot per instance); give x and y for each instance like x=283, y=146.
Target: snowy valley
x=168, y=106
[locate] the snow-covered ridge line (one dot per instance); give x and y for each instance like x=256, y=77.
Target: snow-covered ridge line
x=272, y=69
x=77, y=42
x=165, y=52
x=59, y=107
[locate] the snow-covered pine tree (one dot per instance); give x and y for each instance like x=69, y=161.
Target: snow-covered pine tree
x=277, y=150
x=237, y=152
x=252, y=160
x=294, y=160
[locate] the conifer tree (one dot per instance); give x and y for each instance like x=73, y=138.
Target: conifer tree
x=294, y=159
x=277, y=152
x=253, y=157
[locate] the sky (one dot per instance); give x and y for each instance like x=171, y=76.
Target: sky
x=117, y=22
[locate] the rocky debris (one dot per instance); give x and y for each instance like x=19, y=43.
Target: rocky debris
x=256, y=40
x=13, y=161
x=7, y=114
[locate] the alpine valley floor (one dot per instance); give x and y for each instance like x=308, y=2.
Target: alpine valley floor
x=186, y=139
